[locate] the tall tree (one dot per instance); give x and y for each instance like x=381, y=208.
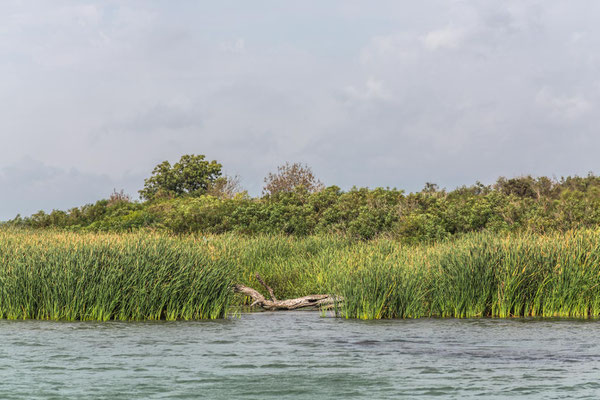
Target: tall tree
x=192, y=175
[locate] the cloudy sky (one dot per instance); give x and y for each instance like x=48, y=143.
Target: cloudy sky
x=93, y=94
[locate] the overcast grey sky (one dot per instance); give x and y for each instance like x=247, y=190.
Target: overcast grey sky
x=389, y=93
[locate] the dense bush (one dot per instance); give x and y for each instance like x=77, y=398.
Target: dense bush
x=511, y=205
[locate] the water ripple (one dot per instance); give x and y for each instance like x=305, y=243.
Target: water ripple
x=300, y=356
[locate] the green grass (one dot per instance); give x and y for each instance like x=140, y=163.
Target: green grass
x=109, y=277
x=145, y=276
x=480, y=275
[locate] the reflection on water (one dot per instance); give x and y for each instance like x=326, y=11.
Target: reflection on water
x=300, y=355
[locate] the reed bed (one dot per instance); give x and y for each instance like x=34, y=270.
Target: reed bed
x=145, y=276
x=480, y=275
x=64, y=276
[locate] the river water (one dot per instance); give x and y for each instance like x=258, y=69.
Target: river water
x=300, y=355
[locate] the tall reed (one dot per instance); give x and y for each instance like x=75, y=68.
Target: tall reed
x=478, y=275
x=104, y=277
x=53, y=275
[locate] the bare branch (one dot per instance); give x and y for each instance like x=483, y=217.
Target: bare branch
x=255, y=295
x=266, y=287
x=289, y=177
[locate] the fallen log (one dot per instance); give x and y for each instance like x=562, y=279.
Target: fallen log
x=314, y=301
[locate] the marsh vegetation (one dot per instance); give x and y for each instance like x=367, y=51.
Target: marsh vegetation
x=521, y=247
x=144, y=276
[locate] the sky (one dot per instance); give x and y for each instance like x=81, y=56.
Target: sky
x=94, y=94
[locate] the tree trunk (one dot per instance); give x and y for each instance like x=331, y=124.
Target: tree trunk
x=315, y=300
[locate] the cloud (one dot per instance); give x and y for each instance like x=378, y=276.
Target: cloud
x=172, y=118
x=29, y=185
x=569, y=107
x=373, y=89
x=98, y=93
x=237, y=46
x=446, y=38
x=398, y=48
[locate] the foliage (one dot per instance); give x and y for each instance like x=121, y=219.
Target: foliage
x=479, y=275
x=226, y=187
x=68, y=276
x=192, y=175
x=290, y=177
x=102, y=276
x=118, y=197
x=525, y=204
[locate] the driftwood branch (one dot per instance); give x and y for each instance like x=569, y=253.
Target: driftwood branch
x=266, y=287
x=315, y=300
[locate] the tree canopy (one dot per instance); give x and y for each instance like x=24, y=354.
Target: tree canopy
x=289, y=177
x=192, y=175
x=194, y=196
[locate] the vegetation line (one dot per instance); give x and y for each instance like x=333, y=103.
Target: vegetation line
x=143, y=276
x=192, y=196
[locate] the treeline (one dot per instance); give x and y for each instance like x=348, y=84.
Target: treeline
x=518, y=204
x=535, y=204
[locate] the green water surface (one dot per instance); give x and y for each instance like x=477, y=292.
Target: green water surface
x=300, y=355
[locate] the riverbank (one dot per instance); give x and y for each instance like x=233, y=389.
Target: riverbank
x=147, y=276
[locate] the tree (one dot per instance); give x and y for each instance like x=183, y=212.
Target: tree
x=192, y=175
x=291, y=176
x=117, y=198
x=226, y=187
x=521, y=187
